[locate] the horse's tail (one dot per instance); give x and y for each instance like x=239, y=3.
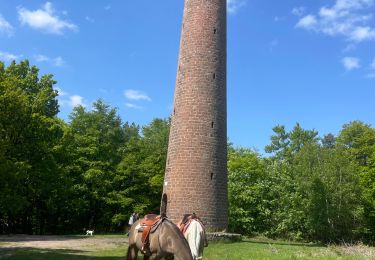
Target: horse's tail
x=163, y=205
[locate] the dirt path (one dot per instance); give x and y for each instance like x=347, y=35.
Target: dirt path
x=88, y=243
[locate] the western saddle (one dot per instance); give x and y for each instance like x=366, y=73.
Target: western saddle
x=186, y=220
x=148, y=225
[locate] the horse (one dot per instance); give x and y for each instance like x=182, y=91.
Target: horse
x=193, y=230
x=160, y=238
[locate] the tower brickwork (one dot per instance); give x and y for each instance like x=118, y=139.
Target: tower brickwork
x=196, y=170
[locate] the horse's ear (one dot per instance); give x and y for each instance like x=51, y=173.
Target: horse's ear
x=163, y=205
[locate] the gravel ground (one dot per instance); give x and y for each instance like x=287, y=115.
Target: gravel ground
x=86, y=243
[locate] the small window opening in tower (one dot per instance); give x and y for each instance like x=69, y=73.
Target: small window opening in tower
x=212, y=124
x=214, y=75
x=215, y=30
x=212, y=175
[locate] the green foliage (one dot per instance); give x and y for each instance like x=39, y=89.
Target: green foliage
x=94, y=170
x=358, y=139
x=308, y=190
x=63, y=177
x=29, y=131
x=245, y=172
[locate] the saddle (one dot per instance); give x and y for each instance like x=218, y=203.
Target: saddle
x=148, y=225
x=186, y=220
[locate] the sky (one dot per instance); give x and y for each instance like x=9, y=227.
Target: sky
x=289, y=61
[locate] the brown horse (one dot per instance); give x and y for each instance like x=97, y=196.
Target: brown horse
x=166, y=241
x=164, y=238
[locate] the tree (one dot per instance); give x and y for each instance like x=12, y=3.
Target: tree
x=143, y=165
x=284, y=144
x=29, y=131
x=245, y=172
x=359, y=139
x=95, y=141
x=329, y=185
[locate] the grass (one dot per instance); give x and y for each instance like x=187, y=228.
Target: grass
x=247, y=250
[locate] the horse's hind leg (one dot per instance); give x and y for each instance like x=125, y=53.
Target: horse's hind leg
x=132, y=253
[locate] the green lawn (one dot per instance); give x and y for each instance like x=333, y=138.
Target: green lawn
x=247, y=250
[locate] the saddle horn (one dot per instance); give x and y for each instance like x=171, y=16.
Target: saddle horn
x=163, y=205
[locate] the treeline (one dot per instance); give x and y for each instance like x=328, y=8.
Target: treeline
x=93, y=171
x=59, y=177
x=310, y=188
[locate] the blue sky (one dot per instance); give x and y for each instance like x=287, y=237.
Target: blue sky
x=289, y=61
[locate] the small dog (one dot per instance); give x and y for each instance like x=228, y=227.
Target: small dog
x=89, y=232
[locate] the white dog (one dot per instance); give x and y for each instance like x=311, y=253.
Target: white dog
x=89, y=232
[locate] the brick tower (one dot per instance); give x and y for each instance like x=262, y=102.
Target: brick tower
x=196, y=170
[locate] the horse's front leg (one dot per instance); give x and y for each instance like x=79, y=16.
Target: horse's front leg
x=132, y=253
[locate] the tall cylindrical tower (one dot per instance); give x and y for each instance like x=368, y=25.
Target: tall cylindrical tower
x=196, y=170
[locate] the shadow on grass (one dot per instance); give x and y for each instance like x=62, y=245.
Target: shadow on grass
x=20, y=253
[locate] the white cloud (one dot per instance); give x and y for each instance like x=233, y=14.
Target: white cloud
x=72, y=101
x=307, y=22
x=5, y=27
x=346, y=18
x=67, y=100
x=75, y=101
x=57, y=62
x=350, y=63
x=133, y=106
x=132, y=94
x=234, y=5
x=6, y=56
x=89, y=19
x=61, y=92
x=362, y=33
x=373, y=65
x=273, y=44
x=298, y=11
x=279, y=18
x=45, y=19
x=349, y=47
x=372, y=68
x=41, y=58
